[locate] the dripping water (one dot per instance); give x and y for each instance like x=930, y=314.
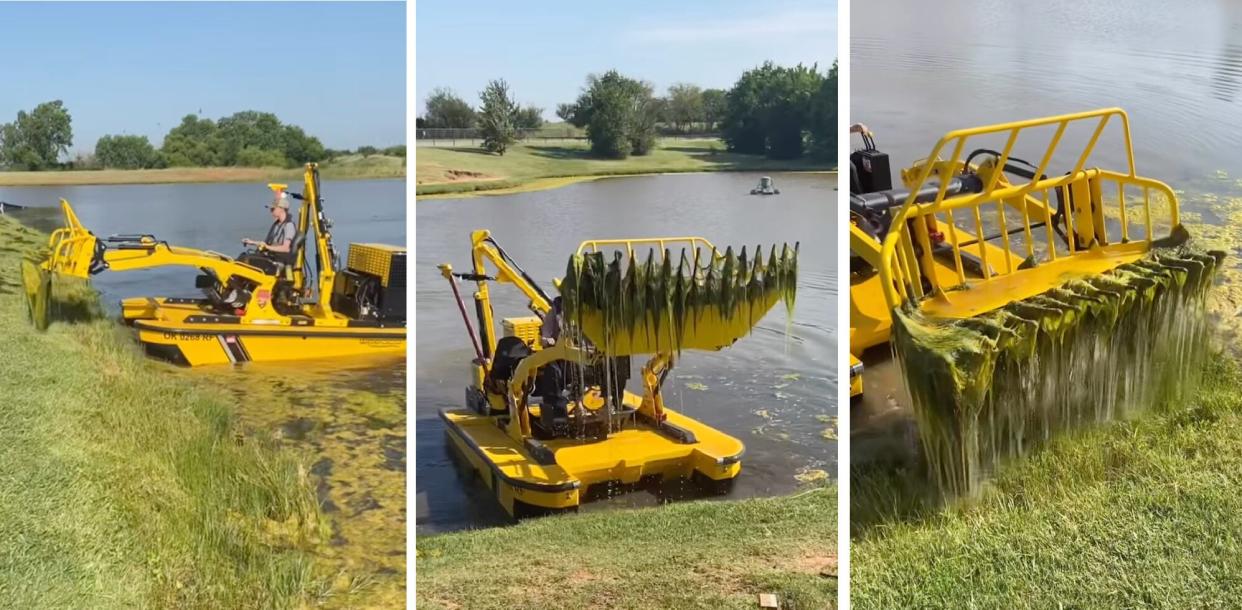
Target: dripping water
x=991, y=388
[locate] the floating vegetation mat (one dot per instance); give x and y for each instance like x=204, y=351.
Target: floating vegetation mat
x=1093, y=350
x=37, y=283
x=704, y=300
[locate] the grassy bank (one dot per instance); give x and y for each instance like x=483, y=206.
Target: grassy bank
x=123, y=487
x=351, y=167
x=464, y=170
x=712, y=555
x=1135, y=514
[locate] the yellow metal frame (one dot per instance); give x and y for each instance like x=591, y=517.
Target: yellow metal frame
x=73, y=250
x=1091, y=250
x=481, y=252
x=1100, y=228
x=485, y=251
x=498, y=453
x=663, y=243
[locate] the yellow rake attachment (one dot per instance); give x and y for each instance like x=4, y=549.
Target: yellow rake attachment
x=637, y=296
x=1024, y=303
x=71, y=250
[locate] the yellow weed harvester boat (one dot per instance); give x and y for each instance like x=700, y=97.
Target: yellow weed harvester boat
x=1020, y=302
x=969, y=235
x=548, y=423
x=255, y=308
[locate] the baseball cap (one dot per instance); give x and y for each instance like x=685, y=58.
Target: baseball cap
x=281, y=201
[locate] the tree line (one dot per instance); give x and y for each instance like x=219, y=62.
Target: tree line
x=775, y=111
x=39, y=139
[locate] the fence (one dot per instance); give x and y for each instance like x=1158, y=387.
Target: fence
x=442, y=136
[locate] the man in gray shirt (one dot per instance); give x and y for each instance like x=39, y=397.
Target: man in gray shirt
x=279, y=242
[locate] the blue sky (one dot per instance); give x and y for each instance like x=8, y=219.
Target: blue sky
x=336, y=69
x=546, y=49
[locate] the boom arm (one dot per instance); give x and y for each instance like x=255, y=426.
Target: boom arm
x=160, y=254
x=76, y=252
x=311, y=218
x=484, y=249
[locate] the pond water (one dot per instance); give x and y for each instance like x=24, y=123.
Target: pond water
x=774, y=392
x=348, y=417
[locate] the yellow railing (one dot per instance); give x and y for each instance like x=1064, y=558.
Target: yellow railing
x=1025, y=223
x=72, y=246
x=661, y=243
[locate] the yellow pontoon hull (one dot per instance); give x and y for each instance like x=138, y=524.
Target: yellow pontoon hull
x=526, y=487
x=182, y=331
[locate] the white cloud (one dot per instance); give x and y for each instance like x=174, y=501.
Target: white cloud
x=741, y=28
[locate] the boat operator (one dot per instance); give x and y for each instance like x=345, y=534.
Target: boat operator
x=279, y=242
x=550, y=382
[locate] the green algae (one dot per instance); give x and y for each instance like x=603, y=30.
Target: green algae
x=993, y=387
x=346, y=421
x=651, y=298
x=37, y=284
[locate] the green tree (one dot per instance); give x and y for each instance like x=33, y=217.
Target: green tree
x=769, y=110
x=395, y=151
x=367, y=151
x=685, y=105
x=254, y=156
x=127, y=152
x=260, y=131
x=300, y=148
x=529, y=117
x=569, y=114
x=715, y=106
x=647, y=113
x=36, y=140
x=84, y=161
x=497, y=117
x=445, y=109
x=194, y=143
x=202, y=142
x=619, y=114
x=659, y=109
x=823, y=119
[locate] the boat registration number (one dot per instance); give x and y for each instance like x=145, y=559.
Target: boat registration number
x=180, y=337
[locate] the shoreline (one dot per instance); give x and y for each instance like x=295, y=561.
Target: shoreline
x=190, y=175
x=505, y=186
x=120, y=495
x=721, y=553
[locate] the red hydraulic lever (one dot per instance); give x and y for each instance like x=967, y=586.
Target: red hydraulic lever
x=447, y=272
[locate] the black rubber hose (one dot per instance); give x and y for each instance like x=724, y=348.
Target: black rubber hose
x=525, y=276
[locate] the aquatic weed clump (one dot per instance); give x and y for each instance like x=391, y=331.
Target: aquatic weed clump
x=706, y=300
x=1092, y=350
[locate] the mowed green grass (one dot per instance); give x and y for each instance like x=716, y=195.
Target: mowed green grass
x=121, y=487
x=1141, y=514
x=348, y=167
x=706, y=554
x=464, y=169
